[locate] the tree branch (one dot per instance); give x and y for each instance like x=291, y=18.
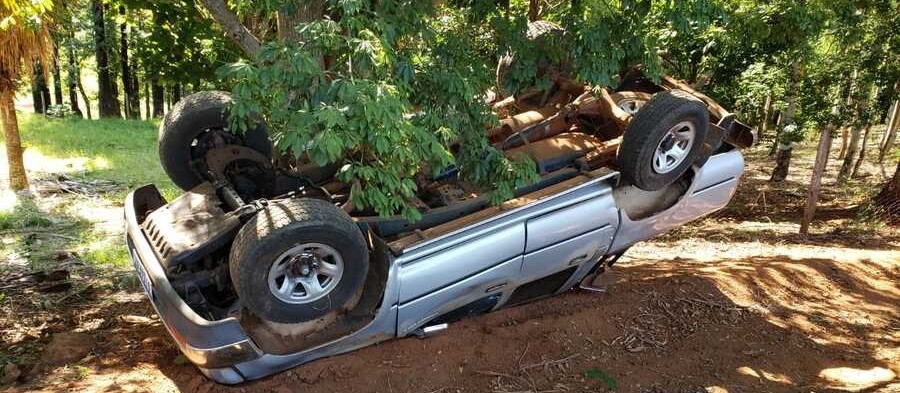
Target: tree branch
x=235, y=29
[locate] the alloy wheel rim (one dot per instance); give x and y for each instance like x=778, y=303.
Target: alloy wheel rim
x=305, y=273
x=674, y=147
x=631, y=106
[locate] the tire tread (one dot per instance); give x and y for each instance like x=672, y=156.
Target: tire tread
x=661, y=108
x=283, y=218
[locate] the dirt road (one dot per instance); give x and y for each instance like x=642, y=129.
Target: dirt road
x=684, y=316
x=735, y=303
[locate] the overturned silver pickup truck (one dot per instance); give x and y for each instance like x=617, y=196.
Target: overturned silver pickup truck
x=260, y=267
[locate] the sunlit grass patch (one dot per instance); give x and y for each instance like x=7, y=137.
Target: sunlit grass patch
x=121, y=151
x=23, y=215
x=32, y=236
x=109, y=255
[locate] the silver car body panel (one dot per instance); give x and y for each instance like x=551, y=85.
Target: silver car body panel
x=418, y=312
x=422, y=276
x=713, y=186
x=569, y=230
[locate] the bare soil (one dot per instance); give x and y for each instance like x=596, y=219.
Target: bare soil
x=737, y=302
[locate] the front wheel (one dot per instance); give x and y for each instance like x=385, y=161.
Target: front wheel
x=664, y=139
x=299, y=260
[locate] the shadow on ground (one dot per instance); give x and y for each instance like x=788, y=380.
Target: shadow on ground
x=774, y=323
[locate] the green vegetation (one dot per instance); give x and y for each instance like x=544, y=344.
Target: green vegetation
x=118, y=153
x=388, y=89
x=394, y=90
x=598, y=374
x=121, y=151
x=399, y=92
x=22, y=216
x=37, y=234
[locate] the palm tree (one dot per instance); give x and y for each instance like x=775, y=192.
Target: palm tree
x=24, y=37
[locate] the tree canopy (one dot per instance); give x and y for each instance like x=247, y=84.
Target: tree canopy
x=389, y=88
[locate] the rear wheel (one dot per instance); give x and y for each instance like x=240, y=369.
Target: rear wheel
x=299, y=260
x=197, y=124
x=630, y=101
x=664, y=138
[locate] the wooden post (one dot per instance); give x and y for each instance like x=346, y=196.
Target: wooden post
x=815, y=183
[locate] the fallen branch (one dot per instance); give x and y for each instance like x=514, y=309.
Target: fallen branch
x=549, y=362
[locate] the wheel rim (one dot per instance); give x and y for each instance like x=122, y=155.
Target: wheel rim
x=305, y=273
x=631, y=106
x=674, y=147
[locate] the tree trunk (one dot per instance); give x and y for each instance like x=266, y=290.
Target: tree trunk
x=862, y=152
x=72, y=76
x=124, y=70
x=132, y=105
x=785, y=144
x=779, y=125
x=767, y=110
x=107, y=92
x=57, y=79
x=176, y=93
x=888, y=201
x=815, y=183
x=230, y=23
x=890, y=134
x=845, y=136
x=305, y=11
x=889, y=121
x=18, y=179
x=84, y=97
x=782, y=164
x=37, y=99
x=534, y=10
x=146, y=100
x=851, y=154
x=40, y=94
x=157, y=94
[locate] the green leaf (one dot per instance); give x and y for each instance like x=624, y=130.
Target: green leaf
x=596, y=373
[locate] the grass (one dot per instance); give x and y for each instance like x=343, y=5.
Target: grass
x=35, y=229
x=121, y=151
x=35, y=235
x=23, y=215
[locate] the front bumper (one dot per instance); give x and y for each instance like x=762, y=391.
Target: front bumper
x=208, y=344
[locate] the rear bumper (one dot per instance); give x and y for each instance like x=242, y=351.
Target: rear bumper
x=208, y=344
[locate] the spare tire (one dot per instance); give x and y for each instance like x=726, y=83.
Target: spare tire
x=298, y=260
x=663, y=140
x=195, y=125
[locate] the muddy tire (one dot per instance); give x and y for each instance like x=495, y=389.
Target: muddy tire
x=663, y=140
x=299, y=260
x=186, y=133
